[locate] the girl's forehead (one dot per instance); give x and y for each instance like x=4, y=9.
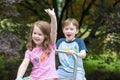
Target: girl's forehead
x=36, y=29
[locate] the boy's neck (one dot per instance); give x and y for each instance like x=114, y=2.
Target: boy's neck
x=70, y=40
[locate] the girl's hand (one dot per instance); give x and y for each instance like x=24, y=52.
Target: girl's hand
x=53, y=25
x=50, y=12
x=19, y=79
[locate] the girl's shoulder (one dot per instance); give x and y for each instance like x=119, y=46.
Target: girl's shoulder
x=28, y=51
x=33, y=50
x=53, y=46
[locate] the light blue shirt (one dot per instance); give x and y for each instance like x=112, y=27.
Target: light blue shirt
x=67, y=61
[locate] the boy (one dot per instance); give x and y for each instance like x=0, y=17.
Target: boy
x=73, y=46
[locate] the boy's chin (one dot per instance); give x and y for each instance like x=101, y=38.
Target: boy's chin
x=69, y=39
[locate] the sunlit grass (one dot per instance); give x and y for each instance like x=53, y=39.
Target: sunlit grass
x=102, y=62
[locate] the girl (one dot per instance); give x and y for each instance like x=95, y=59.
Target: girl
x=41, y=50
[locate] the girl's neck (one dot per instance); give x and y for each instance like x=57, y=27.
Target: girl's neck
x=38, y=46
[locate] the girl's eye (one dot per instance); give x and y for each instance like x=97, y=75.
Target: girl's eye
x=39, y=34
x=34, y=32
x=66, y=28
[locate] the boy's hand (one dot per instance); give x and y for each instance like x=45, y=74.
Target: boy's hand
x=70, y=52
x=50, y=12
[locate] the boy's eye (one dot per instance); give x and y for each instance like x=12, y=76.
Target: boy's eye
x=71, y=28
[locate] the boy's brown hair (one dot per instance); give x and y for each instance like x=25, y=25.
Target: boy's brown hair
x=71, y=20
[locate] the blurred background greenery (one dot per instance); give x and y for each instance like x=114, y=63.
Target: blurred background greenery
x=99, y=24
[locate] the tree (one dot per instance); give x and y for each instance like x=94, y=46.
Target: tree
x=94, y=16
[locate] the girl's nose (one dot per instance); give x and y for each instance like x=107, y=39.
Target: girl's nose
x=36, y=35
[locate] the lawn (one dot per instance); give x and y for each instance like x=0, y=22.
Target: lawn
x=102, y=67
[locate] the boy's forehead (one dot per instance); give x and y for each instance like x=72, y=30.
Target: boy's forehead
x=69, y=25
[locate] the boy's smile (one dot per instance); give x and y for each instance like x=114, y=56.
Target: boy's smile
x=70, y=31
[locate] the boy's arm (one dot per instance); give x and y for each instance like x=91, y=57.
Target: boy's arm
x=82, y=54
x=53, y=34
x=83, y=50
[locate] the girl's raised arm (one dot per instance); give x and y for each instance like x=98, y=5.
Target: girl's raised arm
x=53, y=34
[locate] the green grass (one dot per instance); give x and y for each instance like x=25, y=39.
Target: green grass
x=102, y=63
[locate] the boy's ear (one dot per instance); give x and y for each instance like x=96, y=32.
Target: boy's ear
x=77, y=31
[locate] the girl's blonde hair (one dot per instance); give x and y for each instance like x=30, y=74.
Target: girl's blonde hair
x=45, y=28
x=71, y=20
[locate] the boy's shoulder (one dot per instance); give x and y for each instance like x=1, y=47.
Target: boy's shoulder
x=64, y=39
x=61, y=39
x=78, y=39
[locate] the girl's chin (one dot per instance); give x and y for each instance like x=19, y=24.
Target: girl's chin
x=37, y=43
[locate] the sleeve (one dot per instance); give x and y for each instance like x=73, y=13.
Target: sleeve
x=27, y=54
x=59, y=41
x=82, y=45
x=53, y=47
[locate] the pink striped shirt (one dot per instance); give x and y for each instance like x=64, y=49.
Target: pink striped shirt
x=42, y=68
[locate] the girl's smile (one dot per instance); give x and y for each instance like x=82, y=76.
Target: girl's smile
x=37, y=36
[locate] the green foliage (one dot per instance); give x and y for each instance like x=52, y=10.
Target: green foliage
x=95, y=46
x=112, y=43
x=8, y=70
x=99, y=21
x=12, y=66
x=3, y=72
x=98, y=64
x=20, y=30
x=105, y=44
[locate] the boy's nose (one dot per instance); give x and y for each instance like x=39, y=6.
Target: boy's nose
x=69, y=30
